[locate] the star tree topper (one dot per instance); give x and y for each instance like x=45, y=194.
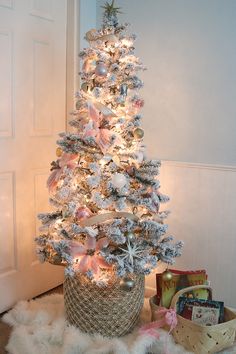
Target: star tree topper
x=110, y=9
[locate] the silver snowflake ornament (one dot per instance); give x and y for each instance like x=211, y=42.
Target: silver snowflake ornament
x=131, y=252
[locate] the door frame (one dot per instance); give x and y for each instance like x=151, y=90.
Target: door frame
x=72, y=57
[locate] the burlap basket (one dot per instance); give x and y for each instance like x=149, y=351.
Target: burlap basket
x=204, y=339
x=110, y=311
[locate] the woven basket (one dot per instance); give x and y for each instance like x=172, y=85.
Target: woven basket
x=204, y=339
x=109, y=310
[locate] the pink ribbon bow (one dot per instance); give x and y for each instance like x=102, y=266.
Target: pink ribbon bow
x=168, y=317
x=66, y=160
x=93, y=128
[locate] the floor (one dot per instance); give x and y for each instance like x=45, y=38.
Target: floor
x=5, y=330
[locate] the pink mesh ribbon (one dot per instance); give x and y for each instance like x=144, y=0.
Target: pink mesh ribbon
x=93, y=129
x=168, y=318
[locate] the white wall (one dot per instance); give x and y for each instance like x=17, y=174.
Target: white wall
x=203, y=205
x=189, y=120
x=189, y=48
x=88, y=17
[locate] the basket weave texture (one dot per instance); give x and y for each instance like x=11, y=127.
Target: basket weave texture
x=109, y=311
x=197, y=338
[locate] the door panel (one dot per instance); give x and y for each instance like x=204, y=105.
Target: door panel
x=32, y=112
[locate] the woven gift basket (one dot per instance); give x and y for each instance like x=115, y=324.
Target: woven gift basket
x=109, y=310
x=198, y=338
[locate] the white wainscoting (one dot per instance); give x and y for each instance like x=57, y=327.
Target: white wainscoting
x=203, y=215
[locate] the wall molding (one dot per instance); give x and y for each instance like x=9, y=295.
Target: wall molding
x=201, y=166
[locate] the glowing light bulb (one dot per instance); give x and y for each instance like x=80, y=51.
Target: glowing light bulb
x=127, y=42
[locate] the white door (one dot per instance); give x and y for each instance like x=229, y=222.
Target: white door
x=32, y=112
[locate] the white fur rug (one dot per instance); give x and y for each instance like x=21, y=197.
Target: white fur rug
x=39, y=327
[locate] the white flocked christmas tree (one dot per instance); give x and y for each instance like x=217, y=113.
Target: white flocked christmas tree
x=105, y=193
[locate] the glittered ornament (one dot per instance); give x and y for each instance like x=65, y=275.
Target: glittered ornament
x=127, y=284
x=123, y=90
x=79, y=103
x=167, y=275
x=101, y=69
x=130, y=236
x=138, y=133
x=84, y=86
x=59, y=152
x=82, y=213
x=130, y=170
x=118, y=180
x=56, y=259
x=138, y=103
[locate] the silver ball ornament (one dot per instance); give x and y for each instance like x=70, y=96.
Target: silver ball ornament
x=101, y=69
x=138, y=133
x=127, y=284
x=130, y=236
x=167, y=275
x=84, y=86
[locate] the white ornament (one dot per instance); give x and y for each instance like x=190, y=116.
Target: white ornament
x=139, y=156
x=118, y=180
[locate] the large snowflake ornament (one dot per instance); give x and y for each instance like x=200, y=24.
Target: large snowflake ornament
x=132, y=252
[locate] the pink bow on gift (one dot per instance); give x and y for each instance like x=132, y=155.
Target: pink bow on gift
x=169, y=318
x=102, y=136
x=65, y=160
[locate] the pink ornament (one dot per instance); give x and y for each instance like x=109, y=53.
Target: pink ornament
x=138, y=103
x=82, y=213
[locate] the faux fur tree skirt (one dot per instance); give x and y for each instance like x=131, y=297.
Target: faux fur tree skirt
x=39, y=327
